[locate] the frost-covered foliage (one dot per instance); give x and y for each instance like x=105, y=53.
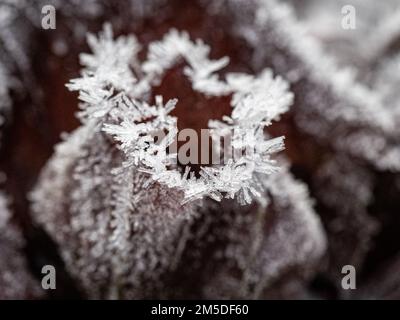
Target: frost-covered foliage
x=16, y=282
x=129, y=231
x=241, y=252
x=130, y=225
x=16, y=18
x=131, y=222
x=347, y=122
x=369, y=50
x=124, y=240
x=109, y=90
x=377, y=28
x=356, y=121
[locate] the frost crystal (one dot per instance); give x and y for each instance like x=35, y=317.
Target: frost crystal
x=130, y=225
x=114, y=86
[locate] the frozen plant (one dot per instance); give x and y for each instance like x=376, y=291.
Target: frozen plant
x=112, y=92
x=131, y=225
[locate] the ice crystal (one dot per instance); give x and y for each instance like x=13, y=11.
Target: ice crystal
x=123, y=230
x=110, y=90
x=130, y=231
x=122, y=239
